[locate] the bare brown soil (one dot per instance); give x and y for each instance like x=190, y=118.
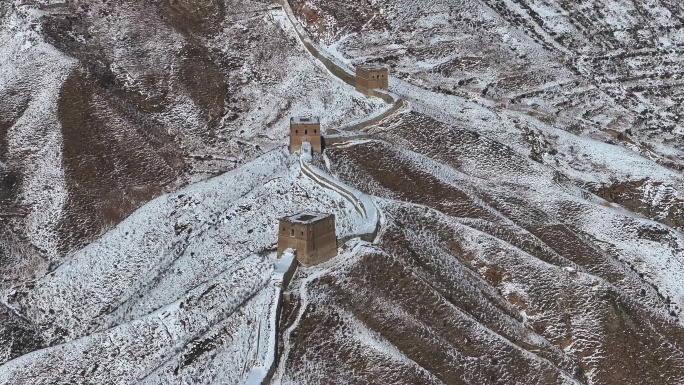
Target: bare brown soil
x=630, y=194
x=9, y=180
x=17, y=336
x=385, y=173
x=4, y=126
x=114, y=160
x=354, y=14
x=204, y=83
x=194, y=16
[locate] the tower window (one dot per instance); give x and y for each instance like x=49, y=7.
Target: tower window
x=292, y=232
x=306, y=132
x=314, y=131
x=296, y=131
x=302, y=233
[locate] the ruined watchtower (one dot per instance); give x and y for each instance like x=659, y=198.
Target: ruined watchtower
x=369, y=77
x=311, y=234
x=305, y=129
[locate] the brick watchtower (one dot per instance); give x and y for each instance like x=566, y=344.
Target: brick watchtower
x=370, y=77
x=305, y=129
x=311, y=234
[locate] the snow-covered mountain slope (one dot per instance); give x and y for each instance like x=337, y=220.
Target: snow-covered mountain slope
x=606, y=69
x=182, y=270
x=496, y=237
x=107, y=105
x=529, y=192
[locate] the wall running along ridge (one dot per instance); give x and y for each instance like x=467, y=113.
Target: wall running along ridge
x=362, y=202
x=284, y=270
x=399, y=93
x=333, y=65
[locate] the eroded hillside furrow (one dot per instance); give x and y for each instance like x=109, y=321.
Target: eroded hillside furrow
x=537, y=227
x=114, y=160
x=626, y=308
x=425, y=331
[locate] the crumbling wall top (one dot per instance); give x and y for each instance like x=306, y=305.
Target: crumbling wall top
x=305, y=120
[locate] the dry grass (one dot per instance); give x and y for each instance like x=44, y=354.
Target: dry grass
x=384, y=172
x=114, y=161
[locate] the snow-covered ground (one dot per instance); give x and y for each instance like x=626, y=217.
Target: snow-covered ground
x=180, y=262
x=34, y=141
x=529, y=192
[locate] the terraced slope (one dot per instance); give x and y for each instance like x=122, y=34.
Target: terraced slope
x=529, y=193
x=605, y=69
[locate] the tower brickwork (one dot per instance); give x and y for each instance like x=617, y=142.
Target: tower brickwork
x=371, y=77
x=311, y=234
x=306, y=129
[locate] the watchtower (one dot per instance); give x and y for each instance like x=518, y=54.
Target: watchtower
x=370, y=77
x=311, y=234
x=305, y=129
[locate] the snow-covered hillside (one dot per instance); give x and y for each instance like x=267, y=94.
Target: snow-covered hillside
x=108, y=105
x=182, y=269
x=522, y=209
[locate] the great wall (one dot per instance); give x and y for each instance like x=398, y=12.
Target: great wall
x=349, y=134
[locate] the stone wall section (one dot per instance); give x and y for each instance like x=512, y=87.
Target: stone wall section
x=284, y=269
x=368, y=78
